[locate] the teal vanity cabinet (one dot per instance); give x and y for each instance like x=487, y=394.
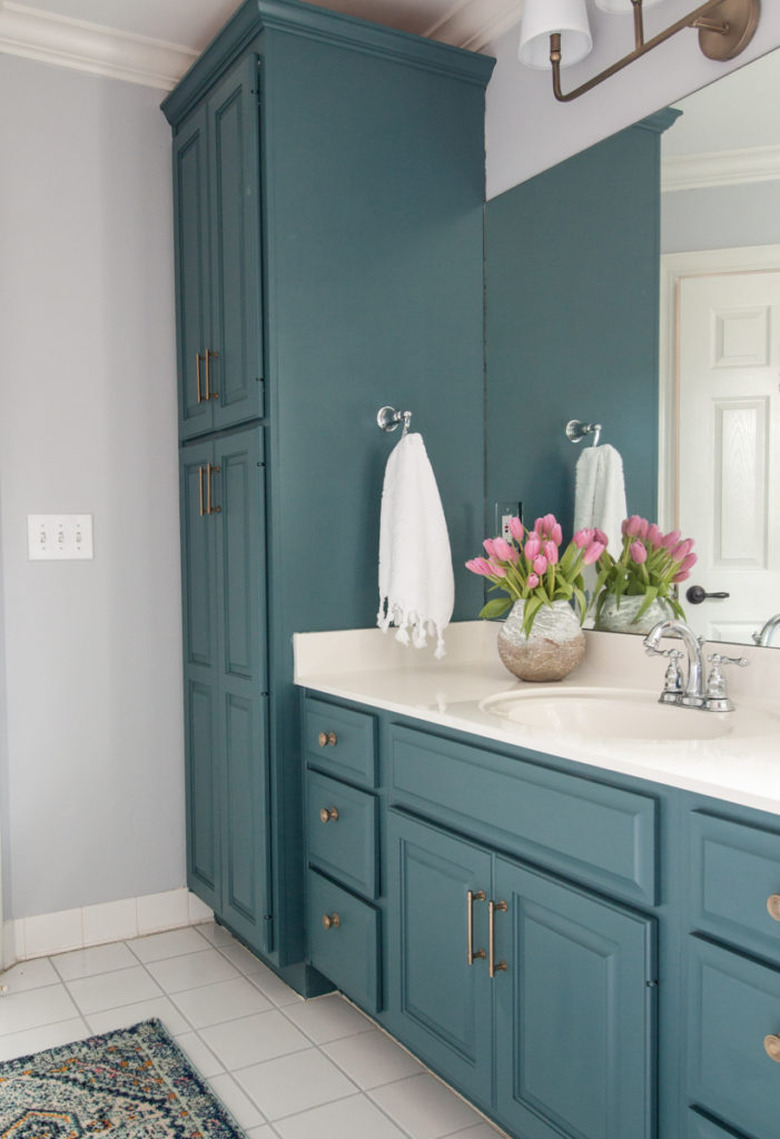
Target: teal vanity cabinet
x=508, y=910
x=328, y=205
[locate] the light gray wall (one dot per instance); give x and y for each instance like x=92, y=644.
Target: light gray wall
x=719, y=217
x=93, y=739
x=528, y=131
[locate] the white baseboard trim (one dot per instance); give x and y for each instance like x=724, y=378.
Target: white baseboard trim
x=46, y=934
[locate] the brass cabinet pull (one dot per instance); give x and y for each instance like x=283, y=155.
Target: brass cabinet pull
x=331, y=921
x=209, y=472
x=493, y=965
x=772, y=1048
x=329, y=814
x=471, y=952
x=210, y=356
x=200, y=491
x=773, y=906
x=197, y=377
x=325, y=738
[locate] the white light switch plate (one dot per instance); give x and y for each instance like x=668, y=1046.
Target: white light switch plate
x=59, y=537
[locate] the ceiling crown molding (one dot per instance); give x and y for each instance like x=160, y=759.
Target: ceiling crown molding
x=724, y=168
x=491, y=17
x=89, y=47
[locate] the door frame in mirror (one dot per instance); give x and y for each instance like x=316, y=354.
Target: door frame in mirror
x=674, y=268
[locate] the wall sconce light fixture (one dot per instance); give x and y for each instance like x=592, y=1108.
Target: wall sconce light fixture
x=557, y=32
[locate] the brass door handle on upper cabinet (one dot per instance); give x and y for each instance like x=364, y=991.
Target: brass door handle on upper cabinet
x=201, y=472
x=209, y=472
x=325, y=738
x=773, y=906
x=329, y=814
x=772, y=1048
x=198, y=359
x=210, y=356
x=471, y=952
x=331, y=921
x=493, y=965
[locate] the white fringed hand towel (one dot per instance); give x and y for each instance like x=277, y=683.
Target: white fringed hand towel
x=416, y=582
x=600, y=494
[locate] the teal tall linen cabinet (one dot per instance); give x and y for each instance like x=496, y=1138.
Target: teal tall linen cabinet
x=328, y=205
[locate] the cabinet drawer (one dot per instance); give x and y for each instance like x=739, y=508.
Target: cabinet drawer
x=340, y=740
x=734, y=1006
x=598, y=834
x=736, y=882
x=348, y=951
x=342, y=842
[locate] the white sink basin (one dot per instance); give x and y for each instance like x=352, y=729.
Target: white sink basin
x=613, y=713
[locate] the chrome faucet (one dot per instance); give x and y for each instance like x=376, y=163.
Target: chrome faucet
x=764, y=637
x=691, y=695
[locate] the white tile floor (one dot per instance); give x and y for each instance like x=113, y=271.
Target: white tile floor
x=286, y=1068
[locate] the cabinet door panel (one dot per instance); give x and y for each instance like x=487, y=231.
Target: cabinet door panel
x=236, y=299
x=574, y=1013
x=198, y=560
x=440, y=1005
x=246, y=889
x=191, y=230
x=202, y=844
x=241, y=605
x=201, y=676
x=240, y=494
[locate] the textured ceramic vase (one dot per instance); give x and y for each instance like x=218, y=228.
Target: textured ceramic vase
x=554, y=646
x=622, y=618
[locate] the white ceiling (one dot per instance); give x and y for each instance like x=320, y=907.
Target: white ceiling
x=154, y=41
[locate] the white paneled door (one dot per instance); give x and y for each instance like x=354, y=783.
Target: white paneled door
x=729, y=447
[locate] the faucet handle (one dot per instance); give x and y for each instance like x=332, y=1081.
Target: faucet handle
x=716, y=698
x=717, y=659
x=673, y=681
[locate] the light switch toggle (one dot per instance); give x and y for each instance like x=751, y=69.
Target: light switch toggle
x=59, y=537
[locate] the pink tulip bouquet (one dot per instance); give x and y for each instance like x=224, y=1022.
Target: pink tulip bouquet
x=532, y=568
x=651, y=564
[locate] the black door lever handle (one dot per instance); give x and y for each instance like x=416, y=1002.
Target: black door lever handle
x=696, y=594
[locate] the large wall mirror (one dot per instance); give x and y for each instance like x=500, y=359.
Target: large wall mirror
x=576, y=329
x=719, y=441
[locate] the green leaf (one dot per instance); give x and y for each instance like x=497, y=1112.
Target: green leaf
x=495, y=608
x=532, y=607
x=650, y=597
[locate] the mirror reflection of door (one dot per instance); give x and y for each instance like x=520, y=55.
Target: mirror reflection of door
x=728, y=434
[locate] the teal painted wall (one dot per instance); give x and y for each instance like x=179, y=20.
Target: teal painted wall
x=375, y=257
x=572, y=323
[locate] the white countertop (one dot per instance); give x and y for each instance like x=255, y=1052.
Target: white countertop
x=742, y=766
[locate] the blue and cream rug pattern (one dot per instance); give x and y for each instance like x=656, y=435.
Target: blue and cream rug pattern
x=131, y=1084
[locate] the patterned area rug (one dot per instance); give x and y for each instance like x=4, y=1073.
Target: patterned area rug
x=130, y=1084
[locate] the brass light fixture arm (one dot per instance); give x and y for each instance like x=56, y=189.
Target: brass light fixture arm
x=739, y=19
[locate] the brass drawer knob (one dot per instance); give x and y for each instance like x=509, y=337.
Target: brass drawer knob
x=325, y=738
x=329, y=814
x=333, y=921
x=772, y=1047
x=773, y=905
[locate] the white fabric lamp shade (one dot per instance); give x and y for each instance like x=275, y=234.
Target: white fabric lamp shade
x=618, y=7
x=543, y=18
